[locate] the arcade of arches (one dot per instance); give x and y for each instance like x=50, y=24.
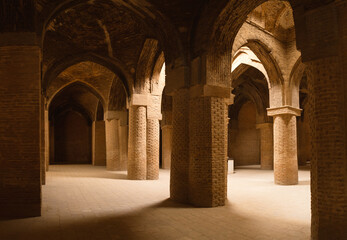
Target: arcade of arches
x=181, y=85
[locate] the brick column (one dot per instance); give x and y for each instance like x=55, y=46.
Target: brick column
x=208, y=145
x=42, y=140
x=328, y=117
x=152, y=149
x=166, y=146
x=266, y=145
x=322, y=39
x=285, y=144
x=112, y=145
x=180, y=146
x=123, y=145
x=47, y=143
x=20, y=96
x=99, y=143
x=137, y=159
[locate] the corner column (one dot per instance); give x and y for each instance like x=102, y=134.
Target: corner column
x=266, y=145
x=285, y=144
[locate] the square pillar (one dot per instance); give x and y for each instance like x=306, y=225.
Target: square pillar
x=179, y=174
x=208, y=140
x=20, y=96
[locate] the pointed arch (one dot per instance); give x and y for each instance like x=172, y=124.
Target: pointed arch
x=80, y=84
x=60, y=65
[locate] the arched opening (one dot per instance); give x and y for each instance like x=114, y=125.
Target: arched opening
x=265, y=126
x=244, y=146
x=249, y=124
x=71, y=114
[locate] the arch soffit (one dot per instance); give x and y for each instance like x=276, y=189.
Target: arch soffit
x=75, y=107
x=90, y=88
x=263, y=53
x=242, y=60
x=297, y=73
x=252, y=93
x=114, y=65
x=158, y=66
x=146, y=64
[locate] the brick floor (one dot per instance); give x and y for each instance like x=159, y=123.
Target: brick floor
x=86, y=202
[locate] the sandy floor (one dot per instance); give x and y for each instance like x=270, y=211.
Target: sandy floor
x=86, y=202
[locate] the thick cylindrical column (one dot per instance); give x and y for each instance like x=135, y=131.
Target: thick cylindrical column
x=266, y=145
x=137, y=163
x=180, y=147
x=285, y=145
x=99, y=143
x=152, y=149
x=112, y=145
x=166, y=146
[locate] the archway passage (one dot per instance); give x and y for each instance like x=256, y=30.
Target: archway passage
x=71, y=114
x=244, y=140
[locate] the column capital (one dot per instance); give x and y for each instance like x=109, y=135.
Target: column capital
x=204, y=90
x=140, y=100
x=284, y=110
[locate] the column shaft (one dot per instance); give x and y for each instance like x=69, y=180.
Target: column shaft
x=137, y=160
x=266, y=145
x=99, y=143
x=47, y=143
x=166, y=146
x=152, y=149
x=123, y=146
x=208, y=151
x=328, y=117
x=285, y=149
x=20, y=185
x=42, y=141
x=112, y=145
x=180, y=147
